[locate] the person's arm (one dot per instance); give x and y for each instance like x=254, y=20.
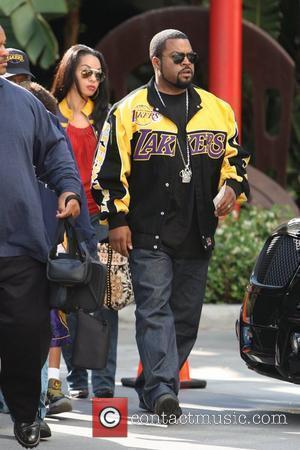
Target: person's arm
x=111, y=170
x=54, y=164
x=233, y=170
x=68, y=205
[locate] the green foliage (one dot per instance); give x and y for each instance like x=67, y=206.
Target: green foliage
x=238, y=243
x=30, y=29
x=265, y=14
x=50, y=8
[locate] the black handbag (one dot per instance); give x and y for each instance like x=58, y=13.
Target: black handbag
x=77, y=281
x=91, y=344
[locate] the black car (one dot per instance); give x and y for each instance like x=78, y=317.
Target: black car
x=268, y=329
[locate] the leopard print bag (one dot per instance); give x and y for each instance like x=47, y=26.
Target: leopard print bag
x=119, y=290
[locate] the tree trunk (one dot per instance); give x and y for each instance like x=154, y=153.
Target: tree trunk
x=71, y=27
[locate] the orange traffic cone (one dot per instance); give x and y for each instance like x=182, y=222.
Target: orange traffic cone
x=186, y=382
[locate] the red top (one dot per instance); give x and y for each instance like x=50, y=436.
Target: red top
x=84, y=143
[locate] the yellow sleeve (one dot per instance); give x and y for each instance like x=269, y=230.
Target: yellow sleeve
x=112, y=167
x=235, y=162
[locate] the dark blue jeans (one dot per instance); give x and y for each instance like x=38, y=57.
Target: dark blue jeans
x=169, y=295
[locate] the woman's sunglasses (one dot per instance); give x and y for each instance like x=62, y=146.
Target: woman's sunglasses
x=178, y=57
x=87, y=73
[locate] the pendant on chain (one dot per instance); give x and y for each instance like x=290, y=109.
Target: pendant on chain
x=186, y=175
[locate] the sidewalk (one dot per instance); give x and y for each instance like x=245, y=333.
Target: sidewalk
x=232, y=391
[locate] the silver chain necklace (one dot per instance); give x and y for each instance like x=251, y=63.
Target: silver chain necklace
x=186, y=173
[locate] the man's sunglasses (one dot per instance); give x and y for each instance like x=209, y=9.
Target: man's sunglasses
x=87, y=73
x=178, y=57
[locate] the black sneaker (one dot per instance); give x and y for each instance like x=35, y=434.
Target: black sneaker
x=167, y=408
x=104, y=394
x=79, y=393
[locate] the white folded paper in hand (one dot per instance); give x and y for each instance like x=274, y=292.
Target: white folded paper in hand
x=219, y=196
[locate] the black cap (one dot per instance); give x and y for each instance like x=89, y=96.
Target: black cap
x=17, y=63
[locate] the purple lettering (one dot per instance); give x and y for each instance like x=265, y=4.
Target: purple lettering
x=166, y=145
x=151, y=143
x=154, y=144
x=139, y=145
x=201, y=142
x=217, y=147
x=210, y=142
x=150, y=146
x=196, y=143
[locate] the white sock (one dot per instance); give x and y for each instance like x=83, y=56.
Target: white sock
x=53, y=373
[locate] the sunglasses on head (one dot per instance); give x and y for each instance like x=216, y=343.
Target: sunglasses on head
x=87, y=73
x=178, y=57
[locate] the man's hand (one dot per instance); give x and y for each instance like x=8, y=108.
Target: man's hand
x=72, y=208
x=120, y=240
x=226, y=205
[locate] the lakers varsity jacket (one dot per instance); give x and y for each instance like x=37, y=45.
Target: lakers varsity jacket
x=133, y=176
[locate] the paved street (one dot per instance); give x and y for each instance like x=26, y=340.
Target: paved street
x=234, y=394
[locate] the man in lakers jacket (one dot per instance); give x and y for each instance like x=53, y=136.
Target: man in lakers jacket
x=165, y=151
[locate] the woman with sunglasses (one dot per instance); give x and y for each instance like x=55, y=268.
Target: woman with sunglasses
x=81, y=88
